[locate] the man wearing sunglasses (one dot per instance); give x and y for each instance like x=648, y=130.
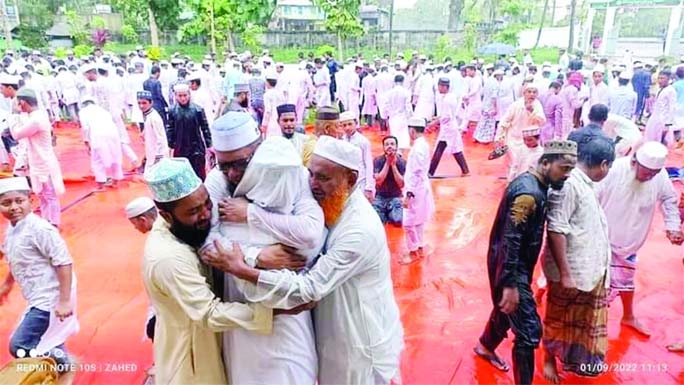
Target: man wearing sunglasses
x=252, y=358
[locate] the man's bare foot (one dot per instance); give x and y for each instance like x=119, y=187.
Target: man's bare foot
x=636, y=325
x=676, y=348
x=491, y=357
x=550, y=369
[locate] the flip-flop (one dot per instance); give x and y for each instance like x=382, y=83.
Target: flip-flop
x=493, y=359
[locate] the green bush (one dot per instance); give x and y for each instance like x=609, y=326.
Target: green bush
x=97, y=22
x=129, y=35
x=60, y=53
x=82, y=50
x=323, y=49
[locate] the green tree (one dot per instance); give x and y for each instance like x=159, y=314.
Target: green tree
x=36, y=18
x=342, y=18
x=157, y=15
x=220, y=19
x=128, y=33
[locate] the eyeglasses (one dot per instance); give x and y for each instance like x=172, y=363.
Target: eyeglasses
x=239, y=164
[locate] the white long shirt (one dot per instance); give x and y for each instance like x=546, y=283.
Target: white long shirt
x=359, y=333
x=575, y=212
x=366, y=180
x=630, y=205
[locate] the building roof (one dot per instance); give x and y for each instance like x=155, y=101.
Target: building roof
x=60, y=28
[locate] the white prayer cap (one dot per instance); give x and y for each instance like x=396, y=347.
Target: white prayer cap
x=176, y=61
x=627, y=75
x=9, y=79
x=416, y=122
x=207, y=57
x=489, y=66
x=172, y=179
x=181, y=87
x=88, y=67
x=14, y=184
x=271, y=75
x=280, y=64
x=338, y=151
x=498, y=72
x=139, y=48
x=139, y=206
x=194, y=76
x=233, y=131
x=206, y=62
x=347, y=115
x=240, y=87
x=599, y=68
x=652, y=155
x=358, y=64
x=546, y=64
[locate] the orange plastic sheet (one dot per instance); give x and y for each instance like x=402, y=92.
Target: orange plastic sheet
x=444, y=299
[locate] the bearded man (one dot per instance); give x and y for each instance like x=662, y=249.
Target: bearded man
x=514, y=246
x=186, y=350
x=327, y=123
x=356, y=316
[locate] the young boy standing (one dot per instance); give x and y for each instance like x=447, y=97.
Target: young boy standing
x=529, y=155
x=40, y=263
x=419, y=204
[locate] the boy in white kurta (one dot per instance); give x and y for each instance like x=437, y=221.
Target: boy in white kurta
x=40, y=263
x=366, y=182
x=101, y=137
x=154, y=132
x=44, y=169
x=419, y=204
x=529, y=155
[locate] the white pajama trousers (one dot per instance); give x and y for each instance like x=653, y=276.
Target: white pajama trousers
x=414, y=236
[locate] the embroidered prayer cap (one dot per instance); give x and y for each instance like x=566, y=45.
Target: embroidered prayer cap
x=444, y=81
x=234, y=130
x=172, y=179
x=144, y=95
x=532, y=131
x=327, y=113
x=241, y=87
x=346, y=116
x=652, y=155
x=14, y=184
x=560, y=147
x=139, y=206
x=416, y=122
x=181, y=87
x=9, y=79
x=338, y=151
x=285, y=108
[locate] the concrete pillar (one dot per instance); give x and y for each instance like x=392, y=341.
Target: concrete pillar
x=672, y=27
x=587, y=33
x=606, y=48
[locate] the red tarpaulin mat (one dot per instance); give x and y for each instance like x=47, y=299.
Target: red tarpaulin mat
x=444, y=299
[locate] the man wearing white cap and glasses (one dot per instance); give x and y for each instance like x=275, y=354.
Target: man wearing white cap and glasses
x=40, y=263
x=236, y=140
x=351, y=277
x=629, y=195
x=186, y=350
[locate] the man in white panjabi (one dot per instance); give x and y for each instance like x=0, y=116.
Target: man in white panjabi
x=424, y=93
x=529, y=155
x=472, y=100
x=384, y=82
x=44, y=168
x=524, y=114
x=358, y=330
x=201, y=95
x=273, y=97
x=101, y=137
x=366, y=182
x=399, y=109
x=370, y=107
x=659, y=124
x=321, y=81
x=449, y=137
x=286, y=356
x=354, y=90
x=154, y=132
x=118, y=107
x=629, y=195
x=419, y=203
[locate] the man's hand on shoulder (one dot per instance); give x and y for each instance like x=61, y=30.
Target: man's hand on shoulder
x=233, y=210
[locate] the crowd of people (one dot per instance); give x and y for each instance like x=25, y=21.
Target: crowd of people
x=266, y=259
